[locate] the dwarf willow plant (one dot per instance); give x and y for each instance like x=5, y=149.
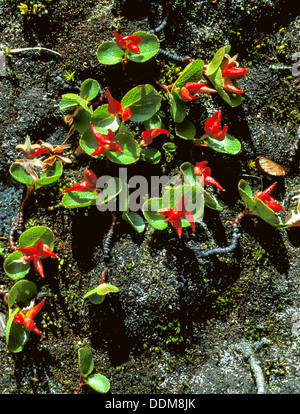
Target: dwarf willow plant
x=261, y=204
x=20, y=295
x=143, y=102
x=42, y=164
x=97, y=295
x=34, y=245
x=139, y=48
x=97, y=382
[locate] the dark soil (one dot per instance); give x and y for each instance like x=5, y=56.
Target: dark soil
x=174, y=326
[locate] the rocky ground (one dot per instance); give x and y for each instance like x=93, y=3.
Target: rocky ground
x=180, y=324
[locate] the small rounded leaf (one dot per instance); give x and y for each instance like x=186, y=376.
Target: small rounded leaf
x=148, y=48
x=86, y=362
x=16, y=334
x=131, y=151
x=89, y=89
x=108, y=53
x=77, y=199
x=98, y=382
x=14, y=267
x=106, y=288
x=135, y=220
x=144, y=101
x=31, y=236
x=22, y=291
x=229, y=145
x=186, y=129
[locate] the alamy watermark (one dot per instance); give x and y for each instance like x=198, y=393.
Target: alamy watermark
x=296, y=65
x=2, y=64
x=136, y=190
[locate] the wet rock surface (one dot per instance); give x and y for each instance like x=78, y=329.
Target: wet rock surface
x=174, y=326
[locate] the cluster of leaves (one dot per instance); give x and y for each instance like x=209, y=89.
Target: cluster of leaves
x=97, y=382
x=17, y=266
x=97, y=124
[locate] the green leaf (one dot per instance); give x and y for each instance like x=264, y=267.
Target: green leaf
x=51, y=176
x=111, y=189
x=188, y=171
x=93, y=297
x=67, y=104
x=22, y=291
x=89, y=89
x=85, y=361
x=217, y=60
x=103, y=120
x=211, y=202
x=89, y=143
x=193, y=72
x=77, y=199
x=153, y=122
x=150, y=155
x=267, y=214
x=144, y=101
x=135, y=220
x=98, y=382
x=170, y=147
x=234, y=99
x=16, y=334
x=74, y=99
x=108, y=53
x=148, y=48
x=245, y=192
x=82, y=121
x=14, y=267
x=31, y=236
x=105, y=288
x=178, y=107
x=19, y=174
x=131, y=150
x=229, y=145
x=150, y=208
x=185, y=129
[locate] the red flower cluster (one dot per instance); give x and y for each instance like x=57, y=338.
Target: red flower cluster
x=89, y=183
x=128, y=42
x=106, y=142
x=201, y=171
x=212, y=127
x=115, y=108
x=267, y=199
x=174, y=215
x=150, y=134
x=231, y=71
x=189, y=91
x=27, y=318
x=40, y=251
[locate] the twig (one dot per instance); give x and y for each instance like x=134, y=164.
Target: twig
x=160, y=27
x=173, y=56
x=247, y=351
x=27, y=49
x=108, y=239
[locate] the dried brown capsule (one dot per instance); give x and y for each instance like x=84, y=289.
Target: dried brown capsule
x=268, y=167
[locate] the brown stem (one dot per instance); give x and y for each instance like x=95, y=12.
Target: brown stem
x=80, y=386
x=162, y=85
x=239, y=217
x=4, y=293
x=103, y=277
